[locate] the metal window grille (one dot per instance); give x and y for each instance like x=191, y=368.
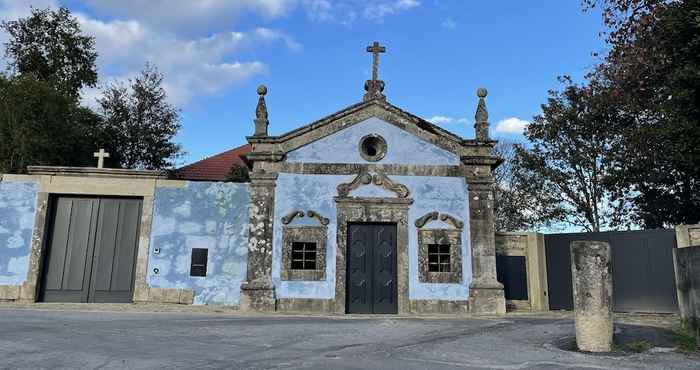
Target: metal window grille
x=303, y=256
x=439, y=258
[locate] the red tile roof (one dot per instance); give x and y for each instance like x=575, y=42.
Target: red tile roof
x=215, y=168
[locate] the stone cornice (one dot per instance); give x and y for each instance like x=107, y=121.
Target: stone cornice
x=96, y=172
x=361, y=201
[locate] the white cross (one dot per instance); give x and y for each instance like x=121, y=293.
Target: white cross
x=101, y=155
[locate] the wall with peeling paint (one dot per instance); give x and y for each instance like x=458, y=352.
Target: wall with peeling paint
x=402, y=148
x=316, y=192
x=17, y=213
x=201, y=215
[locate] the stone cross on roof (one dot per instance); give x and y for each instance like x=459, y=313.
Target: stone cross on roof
x=101, y=155
x=375, y=86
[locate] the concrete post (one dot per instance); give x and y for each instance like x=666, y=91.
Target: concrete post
x=591, y=272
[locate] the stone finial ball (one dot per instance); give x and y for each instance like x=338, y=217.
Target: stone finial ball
x=262, y=90
x=481, y=92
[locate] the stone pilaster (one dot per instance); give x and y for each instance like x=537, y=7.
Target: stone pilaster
x=591, y=271
x=258, y=292
x=485, y=292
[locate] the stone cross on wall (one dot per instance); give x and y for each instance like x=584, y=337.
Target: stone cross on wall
x=375, y=86
x=101, y=155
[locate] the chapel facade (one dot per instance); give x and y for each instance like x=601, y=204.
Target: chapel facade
x=372, y=210
x=368, y=210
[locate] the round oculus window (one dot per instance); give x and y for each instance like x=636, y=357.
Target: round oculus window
x=372, y=147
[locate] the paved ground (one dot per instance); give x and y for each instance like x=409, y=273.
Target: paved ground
x=37, y=338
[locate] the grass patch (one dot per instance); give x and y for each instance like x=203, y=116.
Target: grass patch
x=639, y=346
x=684, y=337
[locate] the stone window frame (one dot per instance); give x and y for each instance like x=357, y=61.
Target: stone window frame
x=453, y=237
x=305, y=234
x=381, y=148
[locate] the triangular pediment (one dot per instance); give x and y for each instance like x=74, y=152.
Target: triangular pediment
x=357, y=114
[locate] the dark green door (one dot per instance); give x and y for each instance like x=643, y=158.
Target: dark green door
x=91, y=252
x=371, y=271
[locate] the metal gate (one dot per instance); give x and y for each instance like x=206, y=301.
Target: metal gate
x=91, y=252
x=371, y=270
x=643, y=278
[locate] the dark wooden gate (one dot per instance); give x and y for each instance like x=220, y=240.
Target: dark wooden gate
x=91, y=252
x=643, y=278
x=371, y=271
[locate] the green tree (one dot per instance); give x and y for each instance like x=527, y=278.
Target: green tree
x=50, y=46
x=139, y=123
x=518, y=206
x=571, y=160
x=41, y=126
x=653, y=73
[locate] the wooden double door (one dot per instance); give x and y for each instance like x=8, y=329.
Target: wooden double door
x=91, y=250
x=371, y=269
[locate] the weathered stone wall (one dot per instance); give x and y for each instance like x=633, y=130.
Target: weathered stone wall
x=199, y=215
x=316, y=192
x=18, y=204
x=531, y=246
x=686, y=263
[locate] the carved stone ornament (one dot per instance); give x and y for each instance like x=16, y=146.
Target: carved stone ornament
x=324, y=221
x=290, y=217
x=382, y=180
x=286, y=220
x=451, y=220
x=433, y=216
x=362, y=178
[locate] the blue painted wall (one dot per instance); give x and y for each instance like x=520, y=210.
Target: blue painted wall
x=17, y=212
x=402, y=147
x=316, y=192
x=201, y=215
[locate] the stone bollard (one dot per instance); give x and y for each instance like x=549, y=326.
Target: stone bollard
x=591, y=272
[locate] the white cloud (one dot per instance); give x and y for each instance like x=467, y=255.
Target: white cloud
x=442, y=120
x=347, y=11
x=192, y=66
x=449, y=24
x=191, y=16
x=512, y=125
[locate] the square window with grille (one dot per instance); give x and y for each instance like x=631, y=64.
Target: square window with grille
x=439, y=258
x=198, y=266
x=303, y=256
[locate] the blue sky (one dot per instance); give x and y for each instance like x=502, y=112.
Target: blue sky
x=311, y=55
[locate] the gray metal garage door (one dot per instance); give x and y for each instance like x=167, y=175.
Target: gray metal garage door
x=91, y=254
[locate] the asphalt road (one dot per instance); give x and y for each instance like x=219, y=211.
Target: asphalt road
x=116, y=340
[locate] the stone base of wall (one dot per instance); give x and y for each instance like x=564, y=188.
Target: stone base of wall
x=305, y=305
x=258, y=297
x=487, y=301
x=163, y=295
x=9, y=292
x=417, y=307
x=437, y=307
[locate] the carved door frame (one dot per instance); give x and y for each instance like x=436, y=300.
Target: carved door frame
x=372, y=210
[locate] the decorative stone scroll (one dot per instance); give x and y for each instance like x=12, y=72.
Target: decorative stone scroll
x=362, y=178
x=290, y=217
x=379, y=179
x=452, y=220
x=324, y=221
x=383, y=180
x=433, y=216
x=286, y=220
